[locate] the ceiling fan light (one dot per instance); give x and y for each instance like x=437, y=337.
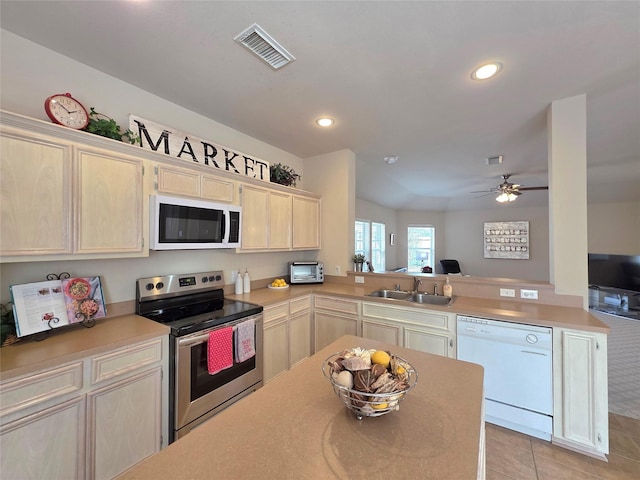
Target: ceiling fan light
x=502, y=197
x=511, y=197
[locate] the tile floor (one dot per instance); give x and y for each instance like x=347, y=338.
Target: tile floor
x=515, y=456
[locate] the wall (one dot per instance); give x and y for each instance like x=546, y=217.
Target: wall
x=375, y=213
x=30, y=73
x=334, y=177
x=465, y=240
x=614, y=228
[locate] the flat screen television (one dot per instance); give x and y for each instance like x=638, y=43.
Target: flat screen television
x=615, y=271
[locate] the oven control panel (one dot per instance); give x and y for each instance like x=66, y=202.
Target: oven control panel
x=181, y=283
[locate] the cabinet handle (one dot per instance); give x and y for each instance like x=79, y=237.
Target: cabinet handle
x=599, y=438
x=451, y=343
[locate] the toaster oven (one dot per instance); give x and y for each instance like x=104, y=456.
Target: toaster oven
x=306, y=272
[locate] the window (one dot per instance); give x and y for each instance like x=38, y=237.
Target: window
x=421, y=247
x=370, y=242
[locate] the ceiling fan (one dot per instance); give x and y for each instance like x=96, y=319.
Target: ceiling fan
x=507, y=191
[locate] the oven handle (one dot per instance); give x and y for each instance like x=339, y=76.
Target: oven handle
x=189, y=341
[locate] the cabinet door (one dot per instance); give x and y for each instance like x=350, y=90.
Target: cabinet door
x=299, y=337
x=427, y=341
x=383, y=332
x=124, y=424
x=35, y=189
x=329, y=327
x=176, y=181
x=275, y=349
x=216, y=189
x=46, y=444
x=109, y=203
x=306, y=223
x=583, y=418
x=255, y=217
x=279, y=220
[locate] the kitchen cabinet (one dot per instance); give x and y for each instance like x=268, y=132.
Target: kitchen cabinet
x=275, y=220
x=192, y=183
x=306, y=223
x=287, y=335
x=65, y=200
x=580, y=416
x=334, y=317
x=416, y=328
x=93, y=418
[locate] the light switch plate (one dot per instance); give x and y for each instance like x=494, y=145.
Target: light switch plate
x=359, y=279
x=529, y=294
x=507, y=292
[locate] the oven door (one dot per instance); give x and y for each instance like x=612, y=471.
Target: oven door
x=200, y=395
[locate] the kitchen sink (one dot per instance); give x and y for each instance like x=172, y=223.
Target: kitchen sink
x=430, y=299
x=395, y=294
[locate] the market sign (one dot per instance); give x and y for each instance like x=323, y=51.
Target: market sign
x=172, y=142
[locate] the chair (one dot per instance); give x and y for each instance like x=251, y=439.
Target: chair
x=450, y=266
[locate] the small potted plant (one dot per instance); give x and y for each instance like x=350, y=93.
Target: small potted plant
x=283, y=174
x=358, y=261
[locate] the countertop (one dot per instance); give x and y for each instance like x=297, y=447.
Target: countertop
x=513, y=311
x=296, y=427
x=71, y=343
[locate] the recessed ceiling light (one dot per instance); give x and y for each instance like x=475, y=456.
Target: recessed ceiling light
x=325, y=121
x=486, y=71
x=391, y=160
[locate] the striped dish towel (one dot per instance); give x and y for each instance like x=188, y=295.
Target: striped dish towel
x=245, y=340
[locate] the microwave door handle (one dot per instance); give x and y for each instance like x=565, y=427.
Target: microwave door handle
x=226, y=226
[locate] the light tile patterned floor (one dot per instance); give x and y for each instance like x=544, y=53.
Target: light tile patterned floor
x=515, y=456
x=623, y=365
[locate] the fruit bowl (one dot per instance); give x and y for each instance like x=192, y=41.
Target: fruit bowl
x=374, y=391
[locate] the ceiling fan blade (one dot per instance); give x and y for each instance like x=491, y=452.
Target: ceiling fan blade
x=485, y=191
x=533, y=188
x=485, y=194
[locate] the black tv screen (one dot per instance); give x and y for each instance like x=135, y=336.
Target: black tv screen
x=615, y=271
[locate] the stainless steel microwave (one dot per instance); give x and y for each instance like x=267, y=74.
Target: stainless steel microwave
x=187, y=224
x=306, y=272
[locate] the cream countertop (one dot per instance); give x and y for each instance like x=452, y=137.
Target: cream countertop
x=296, y=427
x=71, y=343
x=513, y=311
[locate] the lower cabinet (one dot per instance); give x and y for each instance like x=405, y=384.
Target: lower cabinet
x=416, y=328
x=287, y=335
x=580, y=416
x=334, y=317
x=92, y=419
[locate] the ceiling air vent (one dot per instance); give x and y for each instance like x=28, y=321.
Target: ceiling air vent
x=264, y=46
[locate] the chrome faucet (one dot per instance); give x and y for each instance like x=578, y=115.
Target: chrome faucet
x=435, y=289
x=416, y=284
x=397, y=287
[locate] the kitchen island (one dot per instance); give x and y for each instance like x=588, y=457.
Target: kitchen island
x=296, y=427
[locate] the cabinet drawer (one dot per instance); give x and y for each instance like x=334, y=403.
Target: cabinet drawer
x=414, y=315
x=275, y=312
x=299, y=304
x=337, y=304
x=35, y=389
x=123, y=361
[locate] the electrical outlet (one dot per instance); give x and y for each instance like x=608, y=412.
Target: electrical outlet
x=359, y=279
x=337, y=270
x=507, y=292
x=529, y=294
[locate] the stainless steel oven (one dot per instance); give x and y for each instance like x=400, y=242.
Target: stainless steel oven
x=193, y=306
x=197, y=391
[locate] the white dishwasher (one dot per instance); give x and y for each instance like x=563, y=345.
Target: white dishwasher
x=518, y=381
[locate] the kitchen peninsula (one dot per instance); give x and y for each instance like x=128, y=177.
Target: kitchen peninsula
x=296, y=427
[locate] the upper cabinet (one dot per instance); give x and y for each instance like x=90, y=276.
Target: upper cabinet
x=191, y=183
x=275, y=220
x=62, y=198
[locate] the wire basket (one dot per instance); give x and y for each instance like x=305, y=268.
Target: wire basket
x=365, y=404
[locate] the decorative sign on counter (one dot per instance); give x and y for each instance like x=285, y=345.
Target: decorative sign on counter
x=506, y=240
x=41, y=306
x=172, y=142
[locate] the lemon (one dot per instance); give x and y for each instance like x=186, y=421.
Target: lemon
x=381, y=358
x=400, y=370
x=379, y=406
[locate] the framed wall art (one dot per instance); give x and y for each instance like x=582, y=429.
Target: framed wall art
x=506, y=240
